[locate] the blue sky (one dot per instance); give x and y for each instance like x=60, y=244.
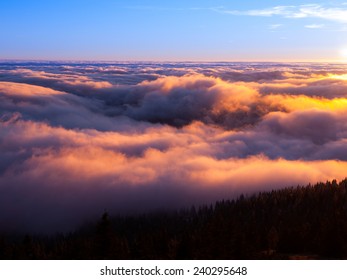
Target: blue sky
x=204, y=30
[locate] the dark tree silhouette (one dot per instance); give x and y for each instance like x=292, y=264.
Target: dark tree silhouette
x=293, y=223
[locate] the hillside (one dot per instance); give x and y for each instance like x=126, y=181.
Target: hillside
x=294, y=223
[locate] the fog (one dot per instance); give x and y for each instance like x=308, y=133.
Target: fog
x=76, y=139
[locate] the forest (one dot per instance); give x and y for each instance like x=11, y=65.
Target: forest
x=303, y=222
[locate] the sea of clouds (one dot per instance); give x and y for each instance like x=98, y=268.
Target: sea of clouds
x=79, y=138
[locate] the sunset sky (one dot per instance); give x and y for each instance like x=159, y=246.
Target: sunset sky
x=196, y=30
x=94, y=117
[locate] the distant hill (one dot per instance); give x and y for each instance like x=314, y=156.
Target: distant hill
x=294, y=223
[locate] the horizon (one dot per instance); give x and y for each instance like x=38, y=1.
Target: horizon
x=173, y=61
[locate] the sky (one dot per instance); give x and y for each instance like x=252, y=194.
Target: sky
x=152, y=30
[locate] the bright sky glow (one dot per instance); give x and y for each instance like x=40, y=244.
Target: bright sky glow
x=204, y=30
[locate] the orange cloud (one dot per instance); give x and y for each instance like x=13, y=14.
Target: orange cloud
x=20, y=89
x=73, y=144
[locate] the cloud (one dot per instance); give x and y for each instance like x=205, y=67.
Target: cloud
x=318, y=126
x=164, y=137
x=275, y=26
x=22, y=90
x=278, y=10
x=180, y=100
x=72, y=176
x=314, y=26
x=336, y=14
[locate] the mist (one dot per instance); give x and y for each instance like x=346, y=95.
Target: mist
x=79, y=139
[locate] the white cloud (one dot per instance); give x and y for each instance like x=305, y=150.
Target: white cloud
x=337, y=13
x=314, y=26
x=275, y=26
x=278, y=10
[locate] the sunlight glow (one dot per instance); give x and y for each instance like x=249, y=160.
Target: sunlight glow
x=339, y=77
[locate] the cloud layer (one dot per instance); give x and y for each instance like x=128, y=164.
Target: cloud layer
x=76, y=139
